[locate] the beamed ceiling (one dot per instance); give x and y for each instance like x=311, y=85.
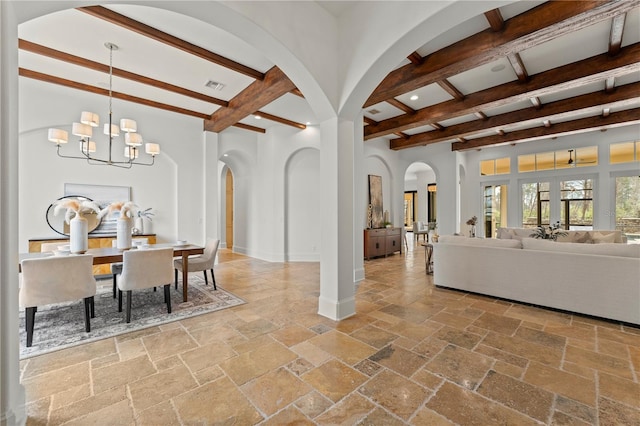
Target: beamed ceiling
x=527, y=71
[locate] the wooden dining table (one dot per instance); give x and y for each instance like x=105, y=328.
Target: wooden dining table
x=114, y=255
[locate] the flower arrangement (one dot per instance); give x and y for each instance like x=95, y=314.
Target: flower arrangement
x=431, y=226
x=550, y=233
x=126, y=209
x=75, y=207
x=472, y=221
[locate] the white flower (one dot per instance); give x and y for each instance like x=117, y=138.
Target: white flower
x=74, y=207
x=126, y=209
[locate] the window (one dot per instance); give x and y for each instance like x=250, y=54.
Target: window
x=499, y=166
x=535, y=204
x=576, y=198
x=625, y=152
x=554, y=160
x=495, y=209
x=628, y=206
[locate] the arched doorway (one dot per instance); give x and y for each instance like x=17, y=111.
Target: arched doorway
x=420, y=197
x=228, y=209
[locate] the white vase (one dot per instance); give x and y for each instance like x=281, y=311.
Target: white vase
x=123, y=233
x=78, y=235
x=139, y=225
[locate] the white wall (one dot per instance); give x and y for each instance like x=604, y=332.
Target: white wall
x=173, y=187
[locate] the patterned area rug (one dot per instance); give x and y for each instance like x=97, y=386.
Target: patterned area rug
x=62, y=325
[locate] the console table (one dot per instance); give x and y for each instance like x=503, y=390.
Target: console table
x=382, y=242
x=95, y=241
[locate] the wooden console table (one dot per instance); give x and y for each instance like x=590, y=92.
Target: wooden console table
x=382, y=242
x=95, y=241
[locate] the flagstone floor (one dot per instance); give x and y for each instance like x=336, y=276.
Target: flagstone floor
x=413, y=354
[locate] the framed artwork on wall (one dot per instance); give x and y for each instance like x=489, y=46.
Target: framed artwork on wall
x=103, y=195
x=375, y=200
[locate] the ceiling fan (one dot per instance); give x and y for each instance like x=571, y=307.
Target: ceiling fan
x=572, y=161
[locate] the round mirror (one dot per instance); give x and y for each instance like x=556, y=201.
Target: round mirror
x=58, y=224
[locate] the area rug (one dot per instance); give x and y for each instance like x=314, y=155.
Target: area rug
x=61, y=325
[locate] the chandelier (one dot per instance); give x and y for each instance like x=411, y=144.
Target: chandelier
x=89, y=120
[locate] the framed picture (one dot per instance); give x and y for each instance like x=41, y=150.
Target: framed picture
x=103, y=195
x=375, y=200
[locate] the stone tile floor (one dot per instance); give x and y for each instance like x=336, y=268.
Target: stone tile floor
x=413, y=354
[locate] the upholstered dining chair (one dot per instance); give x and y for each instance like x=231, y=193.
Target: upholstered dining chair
x=201, y=262
x=145, y=269
x=116, y=268
x=48, y=280
x=420, y=229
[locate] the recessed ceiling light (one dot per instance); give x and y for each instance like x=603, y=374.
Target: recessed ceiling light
x=257, y=117
x=414, y=97
x=225, y=155
x=308, y=123
x=497, y=68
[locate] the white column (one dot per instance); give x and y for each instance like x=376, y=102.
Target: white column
x=337, y=196
x=12, y=394
x=360, y=199
x=211, y=188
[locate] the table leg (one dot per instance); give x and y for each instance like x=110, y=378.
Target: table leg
x=185, y=276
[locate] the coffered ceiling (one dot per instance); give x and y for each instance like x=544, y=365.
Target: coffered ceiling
x=529, y=70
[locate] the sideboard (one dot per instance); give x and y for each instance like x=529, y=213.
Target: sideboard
x=382, y=242
x=95, y=241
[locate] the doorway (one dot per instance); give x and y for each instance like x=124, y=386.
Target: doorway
x=229, y=208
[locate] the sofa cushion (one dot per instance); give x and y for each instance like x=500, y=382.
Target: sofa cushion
x=606, y=249
x=600, y=237
x=575, y=237
x=479, y=242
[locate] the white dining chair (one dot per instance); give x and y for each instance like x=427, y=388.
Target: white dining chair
x=145, y=269
x=48, y=280
x=200, y=262
x=116, y=268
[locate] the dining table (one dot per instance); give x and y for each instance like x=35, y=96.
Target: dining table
x=106, y=255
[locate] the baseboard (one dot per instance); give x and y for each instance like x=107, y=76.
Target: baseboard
x=337, y=310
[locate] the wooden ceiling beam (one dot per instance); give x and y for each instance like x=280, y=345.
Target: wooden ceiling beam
x=591, y=70
x=280, y=120
x=401, y=106
x=415, y=58
x=534, y=27
x=518, y=66
x=591, y=103
x=175, y=42
x=495, y=19
x=23, y=72
x=255, y=96
x=249, y=127
x=450, y=89
x=368, y=120
x=615, y=36
x=96, y=66
x=589, y=124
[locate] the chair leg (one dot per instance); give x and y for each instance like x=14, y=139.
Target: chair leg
x=114, y=286
x=205, y=277
x=93, y=307
x=30, y=314
x=87, y=314
x=167, y=297
x=176, y=278
x=129, y=293
x=213, y=278
x=119, y=300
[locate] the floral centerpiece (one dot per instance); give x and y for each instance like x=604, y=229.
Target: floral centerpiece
x=78, y=225
x=141, y=216
x=472, y=223
x=552, y=232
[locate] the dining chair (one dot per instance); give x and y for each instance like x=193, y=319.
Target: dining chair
x=145, y=269
x=116, y=268
x=201, y=262
x=48, y=280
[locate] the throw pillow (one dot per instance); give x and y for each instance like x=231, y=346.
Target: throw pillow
x=600, y=238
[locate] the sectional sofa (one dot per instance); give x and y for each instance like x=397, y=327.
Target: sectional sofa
x=601, y=279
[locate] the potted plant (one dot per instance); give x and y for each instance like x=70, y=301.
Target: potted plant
x=552, y=232
x=472, y=223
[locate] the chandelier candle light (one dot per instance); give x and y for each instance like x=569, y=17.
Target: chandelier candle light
x=84, y=130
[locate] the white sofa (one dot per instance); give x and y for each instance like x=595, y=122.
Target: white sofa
x=601, y=280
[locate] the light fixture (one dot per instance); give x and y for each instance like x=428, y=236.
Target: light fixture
x=257, y=117
x=89, y=120
x=414, y=97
